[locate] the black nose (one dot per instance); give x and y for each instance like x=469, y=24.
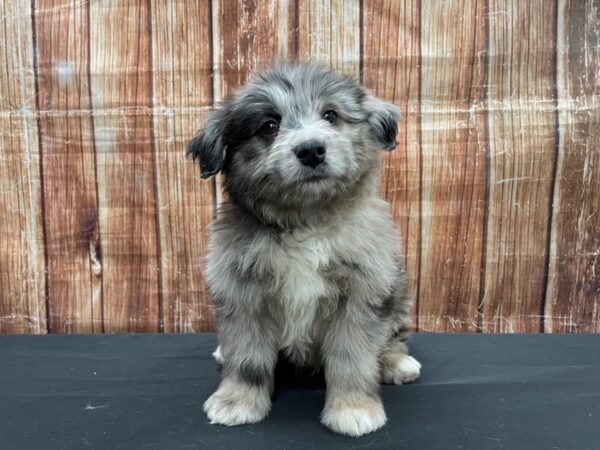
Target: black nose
x=310, y=153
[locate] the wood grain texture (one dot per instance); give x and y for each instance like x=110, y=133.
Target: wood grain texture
x=182, y=70
x=494, y=184
x=453, y=164
x=391, y=69
x=329, y=31
x=69, y=164
x=573, y=297
x=248, y=35
x=120, y=71
x=522, y=141
x=22, y=277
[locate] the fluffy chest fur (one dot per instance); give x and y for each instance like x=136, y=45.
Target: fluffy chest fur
x=304, y=290
x=302, y=277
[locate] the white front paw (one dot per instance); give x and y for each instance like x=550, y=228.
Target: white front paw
x=236, y=404
x=354, y=415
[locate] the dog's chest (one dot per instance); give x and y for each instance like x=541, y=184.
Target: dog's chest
x=303, y=285
x=303, y=274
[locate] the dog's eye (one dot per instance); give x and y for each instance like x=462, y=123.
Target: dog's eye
x=330, y=116
x=269, y=128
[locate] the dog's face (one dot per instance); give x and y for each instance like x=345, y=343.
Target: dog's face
x=295, y=136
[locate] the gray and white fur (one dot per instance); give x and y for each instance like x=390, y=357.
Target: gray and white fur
x=304, y=260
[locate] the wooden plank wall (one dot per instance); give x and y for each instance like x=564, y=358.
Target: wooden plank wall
x=495, y=183
x=22, y=255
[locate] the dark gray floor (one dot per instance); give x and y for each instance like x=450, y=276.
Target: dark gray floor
x=146, y=391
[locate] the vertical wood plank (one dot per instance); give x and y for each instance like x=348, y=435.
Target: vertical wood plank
x=522, y=138
x=67, y=143
x=121, y=78
x=22, y=265
x=453, y=164
x=391, y=60
x=182, y=70
x=248, y=34
x=573, y=296
x=329, y=31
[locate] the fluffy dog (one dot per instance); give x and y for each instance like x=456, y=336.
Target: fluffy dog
x=304, y=259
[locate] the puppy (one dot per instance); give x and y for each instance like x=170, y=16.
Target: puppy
x=304, y=260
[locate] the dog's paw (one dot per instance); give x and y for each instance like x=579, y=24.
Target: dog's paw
x=218, y=355
x=237, y=404
x=404, y=370
x=354, y=415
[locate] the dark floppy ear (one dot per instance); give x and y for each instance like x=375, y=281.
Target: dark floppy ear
x=383, y=120
x=208, y=147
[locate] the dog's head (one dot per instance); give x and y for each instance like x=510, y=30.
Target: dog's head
x=295, y=136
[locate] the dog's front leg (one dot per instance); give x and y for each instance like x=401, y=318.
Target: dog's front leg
x=249, y=355
x=350, y=350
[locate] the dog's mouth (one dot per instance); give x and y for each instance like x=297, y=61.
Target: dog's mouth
x=314, y=176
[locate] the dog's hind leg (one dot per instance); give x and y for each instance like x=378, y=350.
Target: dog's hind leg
x=397, y=366
x=218, y=355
